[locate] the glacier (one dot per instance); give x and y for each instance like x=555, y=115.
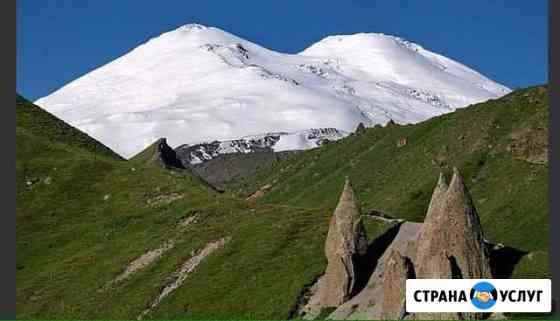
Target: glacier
x=200, y=84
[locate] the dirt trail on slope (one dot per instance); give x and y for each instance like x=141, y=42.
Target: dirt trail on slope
x=187, y=221
x=149, y=257
x=141, y=262
x=179, y=276
x=145, y=260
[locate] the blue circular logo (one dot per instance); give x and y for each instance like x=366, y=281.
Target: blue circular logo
x=483, y=295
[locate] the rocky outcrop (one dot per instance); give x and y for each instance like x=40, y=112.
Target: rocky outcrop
x=198, y=154
x=360, y=129
x=368, y=304
x=391, y=123
x=451, y=241
x=436, y=201
x=165, y=156
x=452, y=230
x=449, y=244
x=160, y=154
x=397, y=270
x=346, y=243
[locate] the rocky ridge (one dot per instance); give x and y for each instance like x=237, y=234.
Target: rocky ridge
x=346, y=244
x=195, y=154
x=449, y=244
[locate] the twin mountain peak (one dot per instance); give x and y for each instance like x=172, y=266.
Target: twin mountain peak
x=198, y=84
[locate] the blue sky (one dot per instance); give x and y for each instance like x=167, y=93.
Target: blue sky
x=60, y=40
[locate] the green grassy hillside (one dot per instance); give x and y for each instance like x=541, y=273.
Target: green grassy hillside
x=500, y=146
x=83, y=213
x=51, y=133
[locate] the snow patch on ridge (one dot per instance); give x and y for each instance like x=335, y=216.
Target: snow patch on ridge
x=269, y=142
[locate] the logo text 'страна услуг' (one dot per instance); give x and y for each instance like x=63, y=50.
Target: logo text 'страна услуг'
x=470, y=295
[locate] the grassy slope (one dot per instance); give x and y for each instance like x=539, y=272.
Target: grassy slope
x=231, y=167
x=31, y=120
x=86, y=215
x=72, y=239
x=68, y=236
x=490, y=142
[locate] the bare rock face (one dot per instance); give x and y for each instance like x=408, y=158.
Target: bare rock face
x=452, y=229
x=165, y=156
x=449, y=244
x=360, y=129
x=346, y=243
x=398, y=268
x=451, y=241
x=162, y=155
x=438, y=196
x=368, y=304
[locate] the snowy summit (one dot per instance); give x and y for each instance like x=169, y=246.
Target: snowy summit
x=200, y=84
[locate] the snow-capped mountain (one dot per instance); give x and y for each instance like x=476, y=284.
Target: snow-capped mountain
x=269, y=142
x=199, y=84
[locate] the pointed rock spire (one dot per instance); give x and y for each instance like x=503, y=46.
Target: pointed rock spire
x=165, y=156
x=398, y=268
x=437, y=200
x=452, y=229
x=449, y=245
x=346, y=243
x=451, y=241
x=361, y=128
x=391, y=123
x=433, y=219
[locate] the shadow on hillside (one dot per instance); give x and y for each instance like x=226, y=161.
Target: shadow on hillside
x=504, y=260
x=375, y=250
